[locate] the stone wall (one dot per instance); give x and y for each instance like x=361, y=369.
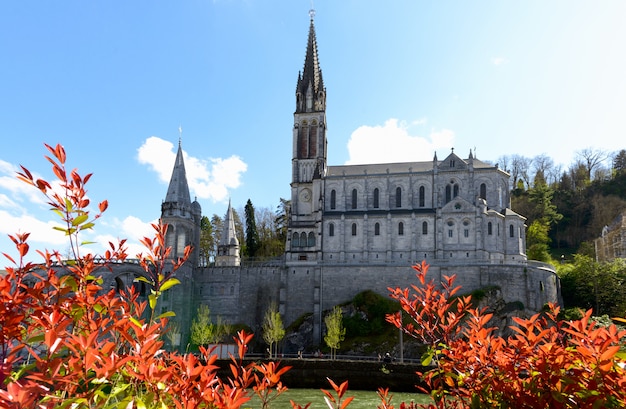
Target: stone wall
x=242, y=295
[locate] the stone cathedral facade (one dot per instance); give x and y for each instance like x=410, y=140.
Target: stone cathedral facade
x=358, y=227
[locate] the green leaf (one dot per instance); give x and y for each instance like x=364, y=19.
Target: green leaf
x=152, y=299
x=70, y=282
x=36, y=338
x=64, y=230
x=144, y=279
x=140, y=404
x=427, y=358
x=25, y=369
x=68, y=205
x=166, y=314
x=118, y=388
x=83, y=243
x=135, y=321
x=80, y=219
x=169, y=283
x=97, y=280
x=87, y=226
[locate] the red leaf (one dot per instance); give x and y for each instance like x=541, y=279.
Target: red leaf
x=103, y=206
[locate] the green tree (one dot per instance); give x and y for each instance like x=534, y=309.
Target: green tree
x=619, y=162
x=208, y=245
x=541, y=197
x=252, y=235
x=203, y=331
x=283, y=212
x=273, y=329
x=537, y=241
x=588, y=284
x=217, y=227
x=335, y=332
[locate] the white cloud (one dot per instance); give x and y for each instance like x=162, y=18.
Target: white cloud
x=19, y=190
x=159, y=155
x=40, y=231
x=499, y=60
x=393, y=143
x=208, y=179
x=130, y=228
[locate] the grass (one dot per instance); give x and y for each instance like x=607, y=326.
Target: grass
x=362, y=399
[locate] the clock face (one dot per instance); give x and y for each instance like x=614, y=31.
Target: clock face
x=305, y=195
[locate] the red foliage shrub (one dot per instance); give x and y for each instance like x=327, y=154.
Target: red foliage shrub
x=65, y=342
x=547, y=364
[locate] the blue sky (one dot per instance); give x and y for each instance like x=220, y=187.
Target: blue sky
x=113, y=81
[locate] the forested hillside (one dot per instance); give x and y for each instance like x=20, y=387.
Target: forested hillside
x=567, y=207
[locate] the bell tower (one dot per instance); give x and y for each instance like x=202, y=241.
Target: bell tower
x=308, y=157
x=181, y=214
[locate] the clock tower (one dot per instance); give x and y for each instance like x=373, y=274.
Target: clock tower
x=308, y=158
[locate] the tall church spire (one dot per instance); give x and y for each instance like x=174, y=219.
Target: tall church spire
x=310, y=91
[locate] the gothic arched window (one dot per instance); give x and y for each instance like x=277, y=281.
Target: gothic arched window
x=312, y=150
x=311, y=240
x=422, y=196
x=511, y=231
x=303, y=239
x=333, y=199
x=483, y=191
x=354, y=197
x=295, y=240
x=452, y=191
x=489, y=228
x=303, y=141
x=331, y=229
x=354, y=229
x=398, y=197
x=181, y=243
x=425, y=228
x=376, y=198
x=377, y=229
x=400, y=229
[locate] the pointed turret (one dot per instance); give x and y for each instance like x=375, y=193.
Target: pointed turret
x=178, y=190
x=228, y=235
x=228, y=248
x=179, y=213
x=310, y=91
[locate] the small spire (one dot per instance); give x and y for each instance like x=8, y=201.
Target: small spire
x=180, y=135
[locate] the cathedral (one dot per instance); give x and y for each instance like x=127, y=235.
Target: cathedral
x=355, y=228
